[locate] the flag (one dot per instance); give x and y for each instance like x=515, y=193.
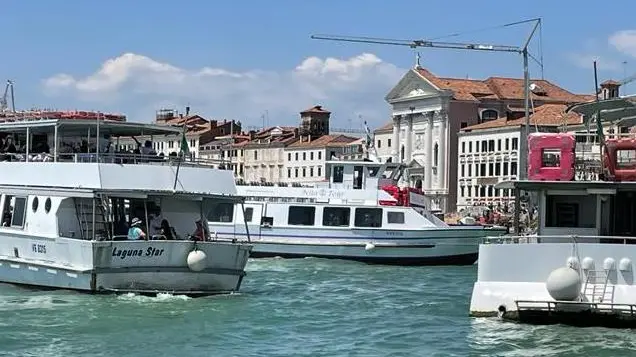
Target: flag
x=369, y=138
x=185, y=148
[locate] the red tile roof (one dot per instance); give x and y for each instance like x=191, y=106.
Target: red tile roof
x=324, y=141
x=501, y=88
x=388, y=127
x=544, y=115
x=610, y=82
x=315, y=109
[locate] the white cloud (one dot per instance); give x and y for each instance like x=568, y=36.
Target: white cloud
x=586, y=61
x=133, y=82
x=624, y=41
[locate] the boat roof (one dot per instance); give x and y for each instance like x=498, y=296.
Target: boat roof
x=529, y=185
x=621, y=111
x=361, y=163
x=81, y=126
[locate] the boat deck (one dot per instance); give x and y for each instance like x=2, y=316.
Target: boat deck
x=580, y=314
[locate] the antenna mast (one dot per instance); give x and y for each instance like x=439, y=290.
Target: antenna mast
x=523, y=50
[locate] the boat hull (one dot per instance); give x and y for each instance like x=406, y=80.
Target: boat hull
x=124, y=266
x=509, y=285
x=424, y=247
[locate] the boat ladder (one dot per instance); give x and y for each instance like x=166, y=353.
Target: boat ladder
x=84, y=209
x=596, y=289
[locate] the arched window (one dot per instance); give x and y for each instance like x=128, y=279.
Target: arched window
x=489, y=114
x=435, y=155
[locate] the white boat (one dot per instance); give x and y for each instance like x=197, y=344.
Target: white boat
x=66, y=215
x=579, y=267
x=351, y=216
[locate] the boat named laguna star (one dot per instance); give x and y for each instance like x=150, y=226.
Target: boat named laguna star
x=359, y=214
x=579, y=267
x=68, y=205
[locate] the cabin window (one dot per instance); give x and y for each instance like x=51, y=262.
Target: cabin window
x=550, y=158
x=248, y=213
x=267, y=221
x=34, y=204
x=47, y=205
x=368, y=217
x=357, y=177
x=216, y=211
x=14, y=211
x=373, y=171
x=301, y=216
x=338, y=174
x=395, y=217
x=336, y=216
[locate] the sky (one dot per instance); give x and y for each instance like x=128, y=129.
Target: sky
x=254, y=61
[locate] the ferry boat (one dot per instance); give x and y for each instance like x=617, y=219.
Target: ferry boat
x=579, y=267
x=66, y=215
x=359, y=214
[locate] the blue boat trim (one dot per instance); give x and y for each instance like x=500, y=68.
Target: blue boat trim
x=365, y=239
x=462, y=259
x=361, y=244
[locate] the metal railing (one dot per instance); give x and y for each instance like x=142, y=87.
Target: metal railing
x=116, y=158
x=549, y=239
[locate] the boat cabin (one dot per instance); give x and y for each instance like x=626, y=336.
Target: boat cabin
x=69, y=178
x=579, y=193
x=581, y=208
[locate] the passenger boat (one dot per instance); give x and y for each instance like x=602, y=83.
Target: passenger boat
x=579, y=268
x=359, y=214
x=66, y=216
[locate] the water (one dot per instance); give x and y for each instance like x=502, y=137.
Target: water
x=305, y=307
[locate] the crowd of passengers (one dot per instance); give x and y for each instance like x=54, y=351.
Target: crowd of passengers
x=13, y=150
x=158, y=228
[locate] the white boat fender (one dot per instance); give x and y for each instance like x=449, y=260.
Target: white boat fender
x=369, y=246
x=564, y=284
x=196, y=260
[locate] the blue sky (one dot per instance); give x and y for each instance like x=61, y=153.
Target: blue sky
x=240, y=59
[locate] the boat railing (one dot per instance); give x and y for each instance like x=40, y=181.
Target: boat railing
x=114, y=158
x=548, y=239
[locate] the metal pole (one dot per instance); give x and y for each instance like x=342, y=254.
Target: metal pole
x=523, y=140
x=247, y=230
x=55, y=138
x=146, y=219
x=97, y=139
x=93, y=235
x=28, y=134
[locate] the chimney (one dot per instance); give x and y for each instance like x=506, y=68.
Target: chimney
x=187, y=110
x=610, y=89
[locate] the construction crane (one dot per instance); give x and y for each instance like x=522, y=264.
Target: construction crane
x=4, y=105
x=523, y=50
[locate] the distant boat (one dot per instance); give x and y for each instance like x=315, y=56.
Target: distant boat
x=359, y=214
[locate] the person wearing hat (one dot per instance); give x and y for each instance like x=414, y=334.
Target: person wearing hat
x=135, y=232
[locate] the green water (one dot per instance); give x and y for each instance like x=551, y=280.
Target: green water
x=304, y=307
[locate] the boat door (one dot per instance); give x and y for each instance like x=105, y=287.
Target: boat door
x=254, y=215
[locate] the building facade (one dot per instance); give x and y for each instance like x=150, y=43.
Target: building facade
x=489, y=151
x=428, y=113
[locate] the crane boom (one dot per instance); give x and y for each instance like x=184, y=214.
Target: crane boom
x=4, y=104
x=422, y=43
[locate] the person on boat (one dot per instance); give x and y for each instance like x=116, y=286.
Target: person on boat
x=199, y=233
x=135, y=232
x=9, y=148
x=155, y=220
x=167, y=231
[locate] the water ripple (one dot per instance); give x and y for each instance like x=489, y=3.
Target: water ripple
x=303, y=307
